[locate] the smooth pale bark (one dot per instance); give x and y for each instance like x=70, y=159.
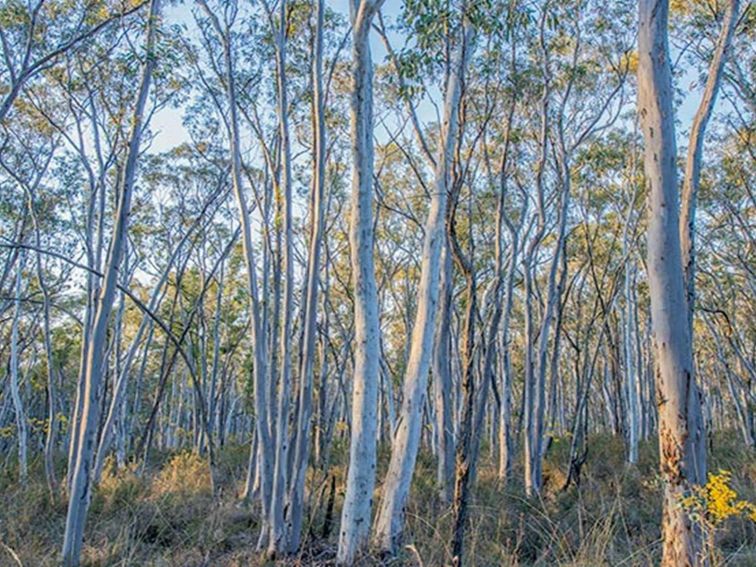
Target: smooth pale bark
x=533, y=386
x=691, y=182
x=692, y=176
x=505, y=406
x=406, y=440
x=534, y=445
x=358, y=500
x=93, y=242
x=307, y=356
x=442, y=380
x=278, y=542
x=18, y=406
x=678, y=399
x=632, y=378
x=80, y=495
x=506, y=442
x=215, y=421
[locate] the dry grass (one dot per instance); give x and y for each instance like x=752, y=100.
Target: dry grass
x=169, y=517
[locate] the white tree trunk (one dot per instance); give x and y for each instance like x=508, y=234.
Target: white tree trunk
x=406, y=440
x=278, y=541
x=677, y=395
x=358, y=500
x=307, y=356
x=18, y=406
x=442, y=380
x=692, y=176
x=95, y=367
x=260, y=374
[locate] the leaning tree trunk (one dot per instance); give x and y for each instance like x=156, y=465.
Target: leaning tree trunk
x=692, y=177
x=406, y=440
x=358, y=500
x=95, y=366
x=680, y=427
x=691, y=182
x=257, y=326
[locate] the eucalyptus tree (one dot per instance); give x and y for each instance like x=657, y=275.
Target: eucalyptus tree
x=311, y=290
x=577, y=58
x=693, y=161
x=691, y=183
x=177, y=250
x=279, y=24
x=682, y=465
x=725, y=280
x=80, y=493
x=31, y=189
x=406, y=436
x=15, y=392
x=222, y=29
x=84, y=101
x=25, y=157
x=358, y=499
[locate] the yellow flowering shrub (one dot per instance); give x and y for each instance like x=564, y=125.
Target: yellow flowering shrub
x=717, y=501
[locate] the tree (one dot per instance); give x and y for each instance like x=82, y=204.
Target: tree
x=358, y=500
x=80, y=493
x=682, y=466
x=406, y=438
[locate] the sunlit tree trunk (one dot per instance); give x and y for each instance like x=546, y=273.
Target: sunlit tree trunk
x=677, y=395
x=80, y=494
x=406, y=440
x=691, y=182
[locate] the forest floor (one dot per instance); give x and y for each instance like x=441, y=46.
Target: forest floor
x=168, y=516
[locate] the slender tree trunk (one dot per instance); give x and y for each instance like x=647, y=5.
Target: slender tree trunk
x=260, y=365
x=278, y=540
x=52, y=396
x=692, y=176
x=18, y=406
x=442, y=379
x=307, y=356
x=406, y=439
x=691, y=182
x=80, y=482
x=358, y=500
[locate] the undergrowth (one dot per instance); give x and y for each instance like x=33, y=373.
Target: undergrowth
x=168, y=515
